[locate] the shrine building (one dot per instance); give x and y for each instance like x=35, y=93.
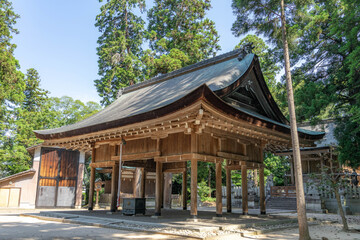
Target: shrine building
x=216, y=110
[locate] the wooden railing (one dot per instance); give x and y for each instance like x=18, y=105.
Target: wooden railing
x=283, y=191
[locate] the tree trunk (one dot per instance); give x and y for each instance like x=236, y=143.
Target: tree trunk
x=300, y=197
x=341, y=210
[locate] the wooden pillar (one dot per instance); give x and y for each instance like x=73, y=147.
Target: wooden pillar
x=162, y=188
x=184, y=191
x=158, y=189
x=218, y=190
x=137, y=182
x=143, y=182
x=228, y=188
x=194, y=183
x=262, y=191
x=114, y=187
x=292, y=171
x=91, y=190
x=167, y=190
x=244, y=189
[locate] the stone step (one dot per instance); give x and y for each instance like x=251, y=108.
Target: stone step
x=281, y=203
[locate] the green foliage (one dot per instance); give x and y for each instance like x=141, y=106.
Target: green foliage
x=347, y=134
x=26, y=116
x=203, y=190
x=330, y=46
x=119, y=48
x=278, y=166
x=12, y=82
x=11, y=79
x=35, y=112
x=179, y=35
x=68, y=111
x=325, y=50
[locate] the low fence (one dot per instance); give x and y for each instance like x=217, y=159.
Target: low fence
x=350, y=192
x=236, y=191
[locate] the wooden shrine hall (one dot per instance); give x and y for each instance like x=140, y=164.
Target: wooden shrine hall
x=216, y=110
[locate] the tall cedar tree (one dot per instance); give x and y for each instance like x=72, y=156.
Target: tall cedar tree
x=179, y=35
x=119, y=48
x=330, y=48
x=11, y=79
x=30, y=114
x=12, y=82
x=272, y=19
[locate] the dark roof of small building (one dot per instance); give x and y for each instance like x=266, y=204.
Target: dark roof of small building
x=18, y=175
x=145, y=100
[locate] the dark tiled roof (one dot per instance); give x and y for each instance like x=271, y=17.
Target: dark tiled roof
x=217, y=74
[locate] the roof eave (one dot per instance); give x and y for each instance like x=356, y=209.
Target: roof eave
x=202, y=92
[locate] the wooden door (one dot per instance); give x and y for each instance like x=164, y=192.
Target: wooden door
x=57, y=178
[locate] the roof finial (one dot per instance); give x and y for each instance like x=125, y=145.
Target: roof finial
x=120, y=92
x=245, y=50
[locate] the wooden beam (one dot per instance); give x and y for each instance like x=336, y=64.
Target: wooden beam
x=218, y=189
x=250, y=165
x=244, y=189
x=103, y=164
x=174, y=158
x=225, y=134
x=174, y=170
x=303, y=152
x=187, y=157
x=136, y=156
x=232, y=156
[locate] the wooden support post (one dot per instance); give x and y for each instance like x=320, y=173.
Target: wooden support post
x=308, y=167
x=228, y=188
x=262, y=191
x=194, y=183
x=114, y=187
x=218, y=190
x=162, y=188
x=158, y=189
x=256, y=177
x=143, y=182
x=137, y=182
x=292, y=171
x=244, y=189
x=91, y=190
x=167, y=190
x=184, y=190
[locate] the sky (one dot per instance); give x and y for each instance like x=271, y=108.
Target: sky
x=59, y=39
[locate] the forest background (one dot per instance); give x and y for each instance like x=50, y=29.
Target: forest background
x=323, y=36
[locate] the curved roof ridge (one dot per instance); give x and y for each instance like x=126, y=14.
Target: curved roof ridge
x=184, y=70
